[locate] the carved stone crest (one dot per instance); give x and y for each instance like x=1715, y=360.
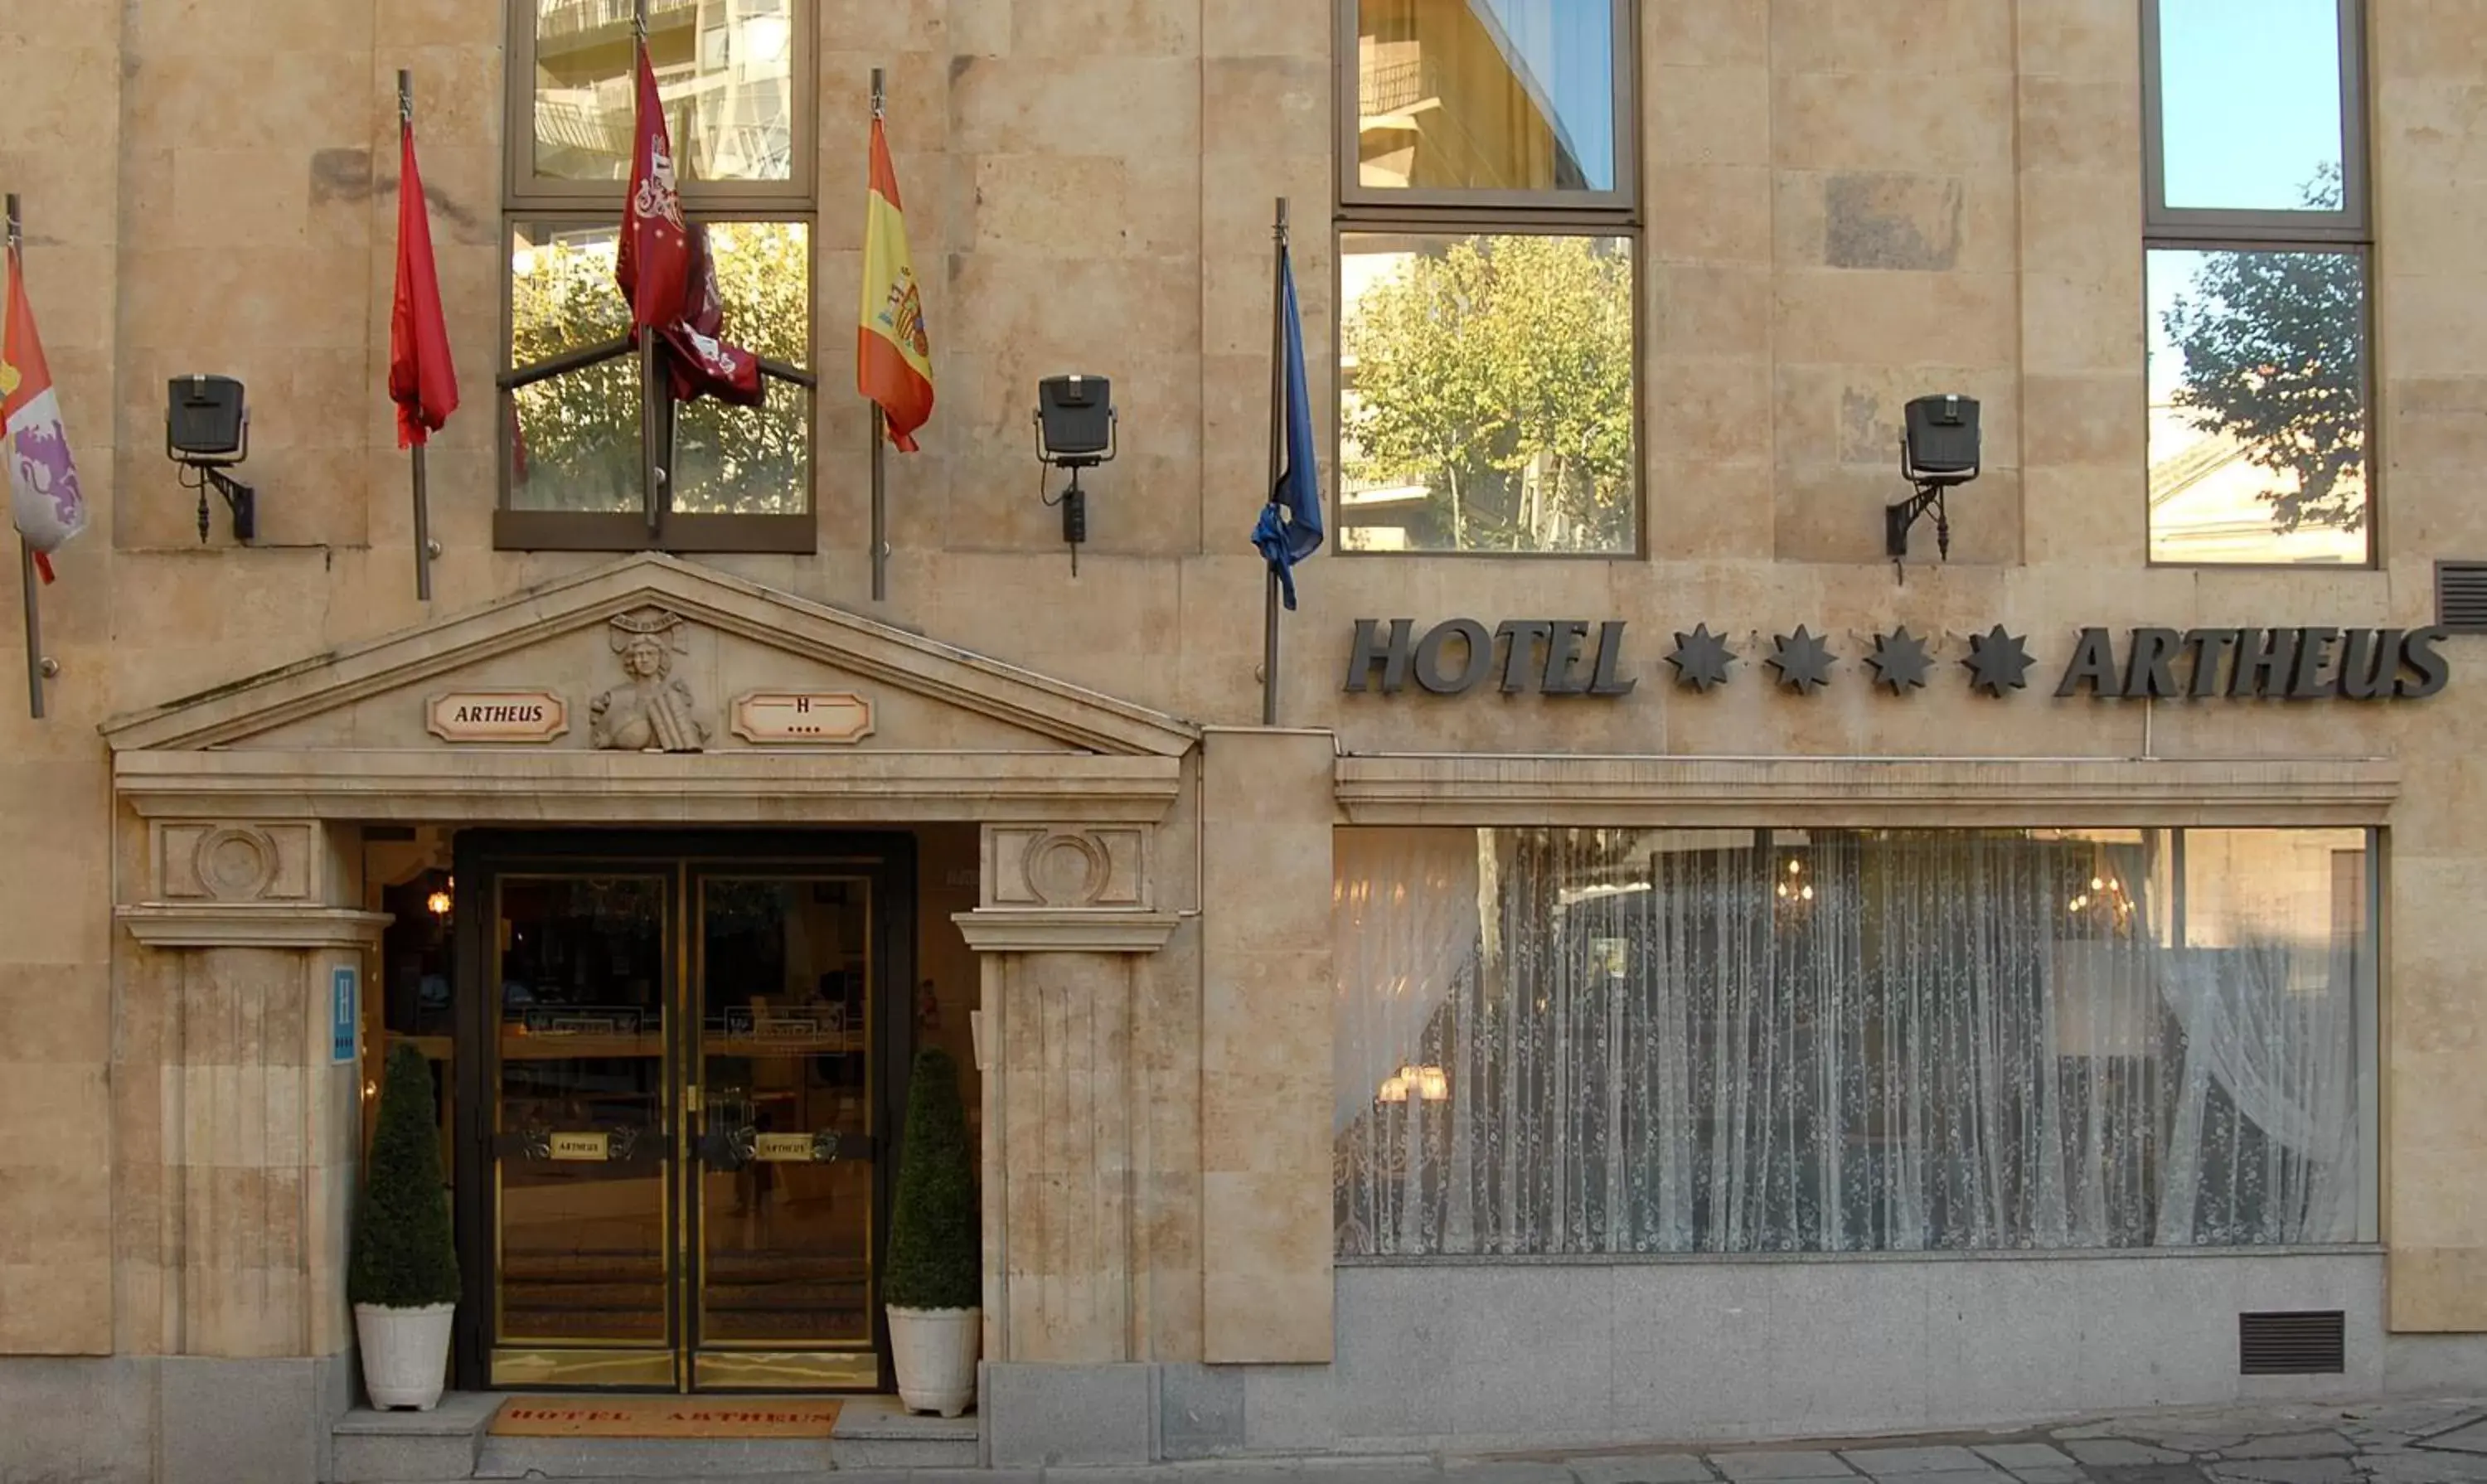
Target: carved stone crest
x=650, y=711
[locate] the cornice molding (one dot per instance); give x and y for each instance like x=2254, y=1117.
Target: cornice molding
x=1689, y=792
x=1039, y=930
x=637, y=788
x=251, y=924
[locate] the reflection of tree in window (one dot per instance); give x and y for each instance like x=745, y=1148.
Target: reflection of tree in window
x=2272, y=347
x=1495, y=374
x=577, y=444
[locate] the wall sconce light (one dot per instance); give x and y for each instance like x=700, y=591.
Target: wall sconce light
x=1430, y=1084
x=441, y=901
x=1938, y=450
x=1075, y=431
x=207, y=430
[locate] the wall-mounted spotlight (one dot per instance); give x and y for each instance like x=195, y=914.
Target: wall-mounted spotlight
x=207, y=431
x=1938, y=450
x=1075, y=431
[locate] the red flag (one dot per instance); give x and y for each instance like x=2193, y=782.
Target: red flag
x=422, y=381
x=653, y=265
x=703, y=364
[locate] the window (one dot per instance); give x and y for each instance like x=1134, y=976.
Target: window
x=1489, y=236
x=1651, y=1041
x=2258, y=253
x=735, y=78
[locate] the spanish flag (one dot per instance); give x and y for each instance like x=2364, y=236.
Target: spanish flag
x=893, y=356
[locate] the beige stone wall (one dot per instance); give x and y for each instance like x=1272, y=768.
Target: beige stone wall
x=60, y=153
x=1848, y=203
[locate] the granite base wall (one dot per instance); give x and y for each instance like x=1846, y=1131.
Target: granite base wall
x=172, y=1419
x=1512, y=1356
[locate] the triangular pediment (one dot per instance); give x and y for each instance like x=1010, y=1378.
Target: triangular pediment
x=724, y=664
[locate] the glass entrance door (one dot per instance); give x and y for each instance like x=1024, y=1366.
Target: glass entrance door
x=683, y=1085
x=783, y=1205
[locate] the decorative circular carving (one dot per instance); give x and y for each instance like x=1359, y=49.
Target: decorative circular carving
x=233, y=863
x=1065, y=870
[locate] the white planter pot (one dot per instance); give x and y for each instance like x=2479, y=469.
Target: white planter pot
x=934, y=1353
x=405, y=1353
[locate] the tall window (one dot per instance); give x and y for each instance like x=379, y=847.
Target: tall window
x=1489, y=226
x=736, y=79
x=1569, y=1041
x=2259, y=231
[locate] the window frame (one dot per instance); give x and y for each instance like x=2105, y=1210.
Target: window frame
x=526, y=199
x=2349, y=230
x=2240, y=227
x=1360, y=210
x=1624, y=198
x=522, y=190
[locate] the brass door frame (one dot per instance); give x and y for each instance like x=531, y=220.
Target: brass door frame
x=744, y=1364
x=886, y=859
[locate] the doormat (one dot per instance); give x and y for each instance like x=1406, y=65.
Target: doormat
x=664, y=1416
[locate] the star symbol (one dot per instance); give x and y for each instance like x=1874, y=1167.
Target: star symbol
x=1701, y=658
x=1900, y=661
x=1802, y=660
x=1998, y=662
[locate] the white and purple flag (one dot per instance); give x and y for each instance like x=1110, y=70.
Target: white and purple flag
x=44, y=501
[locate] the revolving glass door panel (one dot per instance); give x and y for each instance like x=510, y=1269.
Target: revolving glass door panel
x=584, y=1118
x=783, y=1196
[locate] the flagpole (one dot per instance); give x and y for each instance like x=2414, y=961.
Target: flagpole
x=880, y=453
x=652, y=435
x=422, y=495
x=36, y=666
x=1277, y=436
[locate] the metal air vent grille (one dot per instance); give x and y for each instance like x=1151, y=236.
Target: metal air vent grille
x=2306, y=1343
x=2460, y=597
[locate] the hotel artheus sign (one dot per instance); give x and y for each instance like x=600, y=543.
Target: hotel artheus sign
x=1586, y=658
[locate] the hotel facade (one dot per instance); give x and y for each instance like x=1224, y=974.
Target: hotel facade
x=1756, y=986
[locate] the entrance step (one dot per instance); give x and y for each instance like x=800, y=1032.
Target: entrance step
x=875, y=1431
x=651, y=1458
x=411, y=1448
x=449, y=1444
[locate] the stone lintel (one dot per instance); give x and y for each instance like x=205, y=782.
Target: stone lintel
x=653, y=789
x=251, y=924
x=1056, y=930
x=1723, y=791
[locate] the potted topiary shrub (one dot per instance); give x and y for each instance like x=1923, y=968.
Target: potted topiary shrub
x=934, y=1285
x=402, y=1281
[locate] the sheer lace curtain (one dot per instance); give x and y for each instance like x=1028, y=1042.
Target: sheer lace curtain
x=1637, y=1041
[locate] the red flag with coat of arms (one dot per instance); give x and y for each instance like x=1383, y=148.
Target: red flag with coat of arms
x=666, y=271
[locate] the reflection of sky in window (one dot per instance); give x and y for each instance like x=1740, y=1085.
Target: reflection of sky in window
x=2168, y=274
x=2250, y=112
x=2251, y=94
x=1562, y=51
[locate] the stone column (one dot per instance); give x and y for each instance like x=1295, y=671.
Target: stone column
x=1267, y=1002
x=238, y=1137
x=1066, y=928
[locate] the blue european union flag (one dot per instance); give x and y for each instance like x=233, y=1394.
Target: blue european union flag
x=1291, y=523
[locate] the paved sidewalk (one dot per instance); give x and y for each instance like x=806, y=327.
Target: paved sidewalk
x=2434, y=1441
x=2401, y=1442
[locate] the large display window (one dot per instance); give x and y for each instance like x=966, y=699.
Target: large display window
x=1651, y=1041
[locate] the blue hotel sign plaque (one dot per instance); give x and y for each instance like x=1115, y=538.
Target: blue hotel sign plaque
x=343, y=1004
